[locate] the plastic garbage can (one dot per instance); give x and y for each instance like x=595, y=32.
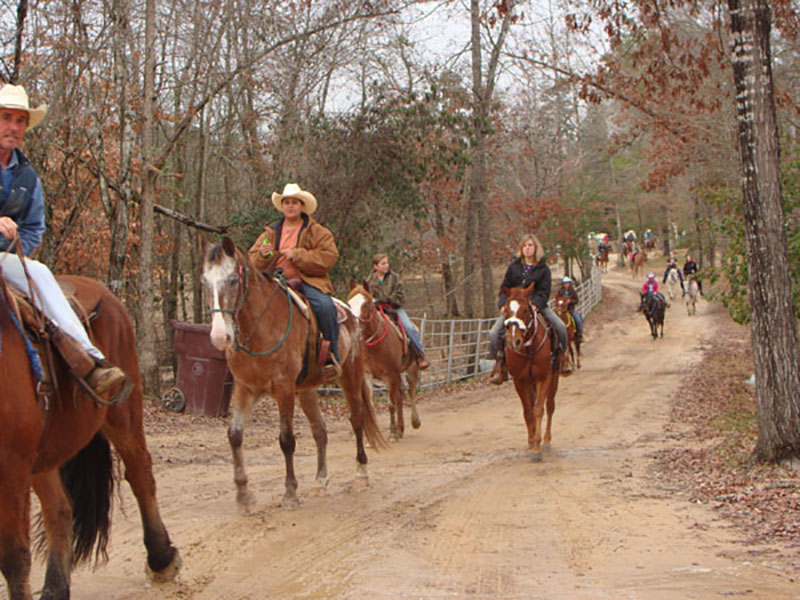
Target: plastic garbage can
x=204, y=384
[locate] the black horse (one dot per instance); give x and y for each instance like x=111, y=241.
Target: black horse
x=653, y=306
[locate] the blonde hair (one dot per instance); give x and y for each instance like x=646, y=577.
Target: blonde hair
x=376, y=258
x=538, y=253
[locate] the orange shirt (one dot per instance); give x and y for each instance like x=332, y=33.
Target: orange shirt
x=288, y=240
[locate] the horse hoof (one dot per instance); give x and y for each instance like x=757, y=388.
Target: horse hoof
x=536, y=456
x=245, y=502
x=168, y=573
x=362, y=479
x=290, y=502
x=415, y=422
x=320, y=488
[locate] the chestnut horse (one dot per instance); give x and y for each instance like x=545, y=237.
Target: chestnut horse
x=60, y=449
x=601, y=259
x=530, y=364
x=386, y=358
x=266, y=342
x=637, y=263
x=573, y=343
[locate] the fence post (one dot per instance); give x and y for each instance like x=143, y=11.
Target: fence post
x=451, y=342
x=478, y=347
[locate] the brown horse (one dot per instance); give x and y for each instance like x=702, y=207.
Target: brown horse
x=601, y=259
x=573, y=342
x=530, y=364
x=626, y=248
x=60, y=449
x=637, y=263
x=386, y=357
x=266, y=340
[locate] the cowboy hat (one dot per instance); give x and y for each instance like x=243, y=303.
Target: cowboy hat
x=16, y=98
x=292, y=190
x=566, y=279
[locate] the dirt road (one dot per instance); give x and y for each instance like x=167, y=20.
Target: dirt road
x=456, y=509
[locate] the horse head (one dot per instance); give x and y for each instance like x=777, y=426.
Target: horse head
x=562, y=305
x=224, y=281
x=519, y=315
x=360, y=300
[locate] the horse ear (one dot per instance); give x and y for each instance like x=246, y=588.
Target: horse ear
x=365, y=285
x=352, y=283
x=228, y=246
x=505, y=291
x=529, y=290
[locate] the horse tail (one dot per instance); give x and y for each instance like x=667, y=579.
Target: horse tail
x=370, y=420
x=89, y=480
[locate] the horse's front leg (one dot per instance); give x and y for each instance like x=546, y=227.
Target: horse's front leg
x=524, y=389
x=310, y=405
x=57, y=518
x=242, y=403
x=541, y=390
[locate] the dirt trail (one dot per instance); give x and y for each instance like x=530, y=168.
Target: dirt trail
x=456, y=509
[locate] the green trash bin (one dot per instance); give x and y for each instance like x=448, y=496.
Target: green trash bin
x=204, y=384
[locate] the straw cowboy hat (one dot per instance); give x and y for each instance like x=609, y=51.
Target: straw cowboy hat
x=292, y=190
x=15, y=97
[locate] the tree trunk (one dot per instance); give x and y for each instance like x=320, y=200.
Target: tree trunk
x=147, y=333
x=775, y=345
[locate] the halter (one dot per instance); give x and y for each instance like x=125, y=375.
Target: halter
x=280, y=279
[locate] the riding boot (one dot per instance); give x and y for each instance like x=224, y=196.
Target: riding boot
x=499, y=372
x=422, y=362
x=566, y=364
x=101, y=377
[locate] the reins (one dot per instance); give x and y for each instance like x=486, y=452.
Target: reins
x=371, y=341
x=530, y=333
x=280, y=280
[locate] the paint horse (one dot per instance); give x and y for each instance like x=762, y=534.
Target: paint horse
x=268, y=344
x=59, y=447
x=530, y=364
x=387, y=357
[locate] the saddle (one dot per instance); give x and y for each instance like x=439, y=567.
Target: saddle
x=318, y=349
x=394, y=321
x=42, y=335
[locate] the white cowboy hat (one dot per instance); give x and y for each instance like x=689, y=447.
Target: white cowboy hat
x=292, y=190
x=651, y=275
x=566, y=279
x=15, y=97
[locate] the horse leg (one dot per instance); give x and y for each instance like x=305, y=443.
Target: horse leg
x=552, y=388
x=57, y=519
x=163, y=559
x=354, y=386
x=412, y=379
x=288, y=443
x=395, y=384
x=310, y=406
x=241, y=402
x=15, y=541
x=524, y=389
x=539, y=400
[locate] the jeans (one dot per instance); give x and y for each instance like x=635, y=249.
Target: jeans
x=50, y=298
x=496, y=332
x=411, y=332
x=325, y=311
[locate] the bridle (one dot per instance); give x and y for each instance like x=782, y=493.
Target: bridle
x=243, y=277
x=378, y=336
x=529, y=329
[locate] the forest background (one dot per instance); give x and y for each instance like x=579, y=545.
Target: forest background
x=438, y=132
